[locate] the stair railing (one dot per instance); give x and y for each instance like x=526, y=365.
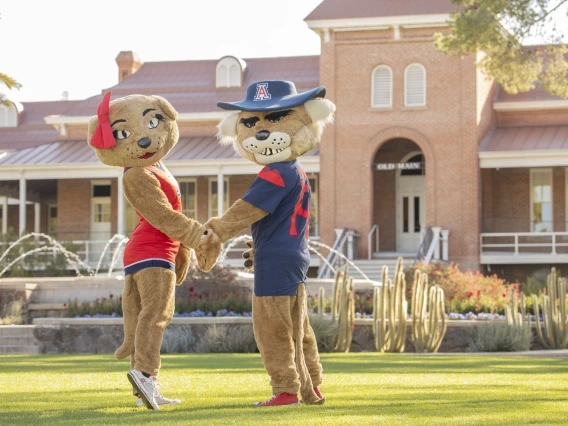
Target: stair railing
x=374, y=230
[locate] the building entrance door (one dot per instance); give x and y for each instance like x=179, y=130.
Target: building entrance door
x=410, y=206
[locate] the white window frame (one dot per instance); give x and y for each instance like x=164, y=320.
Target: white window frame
x=406, y=104
x=8, y=116
x=532, y=172
x=373, y=105
x=49, y=207
x=189, y=180
x=226, y=201
x=315, y=201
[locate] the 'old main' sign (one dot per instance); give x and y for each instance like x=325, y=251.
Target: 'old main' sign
x=398, y=166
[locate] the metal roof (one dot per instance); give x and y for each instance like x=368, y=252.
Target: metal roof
x=526, y=138
x=79, y=152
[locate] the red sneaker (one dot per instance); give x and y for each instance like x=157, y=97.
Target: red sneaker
x=282, y=398
x=318, y=393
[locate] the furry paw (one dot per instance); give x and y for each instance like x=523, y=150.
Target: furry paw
x=208, y=250
x=249, y=256
x=182, y=264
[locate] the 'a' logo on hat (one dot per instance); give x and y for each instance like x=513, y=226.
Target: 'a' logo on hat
x=262, y=92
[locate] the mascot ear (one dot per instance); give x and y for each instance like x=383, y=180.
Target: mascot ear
x=228, y=128
x=320, y=110
x=93, y=123
x=166, y=107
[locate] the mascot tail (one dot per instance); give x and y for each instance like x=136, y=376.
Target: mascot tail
x=306, y=385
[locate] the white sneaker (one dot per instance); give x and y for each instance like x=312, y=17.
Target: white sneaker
x=146, y=387
x=160, y=399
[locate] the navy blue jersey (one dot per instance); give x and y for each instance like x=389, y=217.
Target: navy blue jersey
x=281, y=256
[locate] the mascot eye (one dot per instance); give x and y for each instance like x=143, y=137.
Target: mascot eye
x=121, y=134
x=249, y=124
x=153, y=123
x=276, y=119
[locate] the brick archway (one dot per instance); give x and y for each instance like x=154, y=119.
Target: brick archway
x=369, y=152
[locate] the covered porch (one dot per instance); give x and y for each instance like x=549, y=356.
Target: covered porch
x=524, y=186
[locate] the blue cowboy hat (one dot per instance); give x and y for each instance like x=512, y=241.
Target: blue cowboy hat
x=272, y=95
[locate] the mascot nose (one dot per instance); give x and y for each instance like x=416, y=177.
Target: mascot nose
x=144, y=142
x=262, y=135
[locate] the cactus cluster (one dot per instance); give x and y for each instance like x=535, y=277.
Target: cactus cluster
x=389, y=312
x=343, y=309
x=428, y=314
x=321, y=305
x=552, y=331
x=514, y=317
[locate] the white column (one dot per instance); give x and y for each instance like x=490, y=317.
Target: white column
x=220, y=192
x=22, y=204
x=120, y=205
x=445, y=244
x=436, y=230
x=4, y=215
x=37, y=216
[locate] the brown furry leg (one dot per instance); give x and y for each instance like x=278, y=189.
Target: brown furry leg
x=299, y=317
x=272, y=323
x=156, y=287
x=311, y=354
x=130, y=309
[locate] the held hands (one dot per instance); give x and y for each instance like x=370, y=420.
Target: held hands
x=249, y=256
x=208, y=250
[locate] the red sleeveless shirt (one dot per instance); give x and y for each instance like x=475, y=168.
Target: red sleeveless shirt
x=148, y=247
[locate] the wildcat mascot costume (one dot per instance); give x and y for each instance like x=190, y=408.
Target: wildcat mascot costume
x=136, y=132
x=272, y=127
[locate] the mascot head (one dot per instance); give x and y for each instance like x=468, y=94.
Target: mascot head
x=134, y=131
x=275, y=123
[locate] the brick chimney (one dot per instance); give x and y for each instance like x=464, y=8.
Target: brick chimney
x=128, y=63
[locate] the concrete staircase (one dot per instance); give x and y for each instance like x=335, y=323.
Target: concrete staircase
x=373, y=268
x=18, y=339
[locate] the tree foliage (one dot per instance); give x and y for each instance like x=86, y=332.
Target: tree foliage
x=500, y=29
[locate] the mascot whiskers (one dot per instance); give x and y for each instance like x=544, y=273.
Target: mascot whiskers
x=272, y=127
x=136, y=132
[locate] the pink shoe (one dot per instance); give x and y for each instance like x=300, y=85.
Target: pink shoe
x=282, y=398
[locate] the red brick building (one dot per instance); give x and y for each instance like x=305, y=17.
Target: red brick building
x=421, y=141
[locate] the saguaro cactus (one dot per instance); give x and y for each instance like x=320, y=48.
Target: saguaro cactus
x=555, y=321
x=389, y=312
x=428, y=314
x=343, y=309
x=514, y=317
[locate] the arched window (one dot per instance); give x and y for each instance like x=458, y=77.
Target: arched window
x=381, y=83
x=230, y=72
x=415, y=85
x=8, y=116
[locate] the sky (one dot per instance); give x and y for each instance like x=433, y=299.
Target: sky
x=58, y=46
x=67, y=45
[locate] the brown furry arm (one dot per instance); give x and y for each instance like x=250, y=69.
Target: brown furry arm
x=182, y=264
x=143, y=191
x=240, y=216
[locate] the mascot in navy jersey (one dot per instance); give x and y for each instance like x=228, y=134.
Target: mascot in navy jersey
x=272, y=127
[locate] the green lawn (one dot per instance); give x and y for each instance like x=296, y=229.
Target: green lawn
x=361, y=389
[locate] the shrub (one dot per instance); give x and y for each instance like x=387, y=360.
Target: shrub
x=178, y=340
x=227, y=339
x=13, y=313
x=536, y=282
x=465, y=291
x=497, y=336
x=101, y=306
x=325, y=331
x=213, y=292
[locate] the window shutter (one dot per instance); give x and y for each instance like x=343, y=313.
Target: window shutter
x=415, y=80
x=382, y=87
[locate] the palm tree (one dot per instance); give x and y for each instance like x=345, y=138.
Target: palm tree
x=10, y=83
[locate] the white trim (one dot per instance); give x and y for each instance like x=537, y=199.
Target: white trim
x=225, y=191
x=190, y=168
x=522, y=259
x=377, y=28
x=424, y=81
x=530, y=105
x=194, y=181
x=184, y=117
x=530, y=158
x=382, y=66
x=532, y=172
x=359, y=24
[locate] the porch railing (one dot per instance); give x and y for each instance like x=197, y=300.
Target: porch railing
x=524, y=243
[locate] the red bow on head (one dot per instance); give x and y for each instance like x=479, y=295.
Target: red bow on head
x=102, y=137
